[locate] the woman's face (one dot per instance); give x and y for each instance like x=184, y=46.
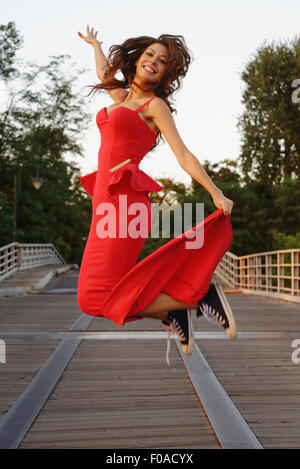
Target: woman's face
x=153, y=63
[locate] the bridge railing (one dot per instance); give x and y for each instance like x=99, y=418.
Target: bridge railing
x=273, y=273
x=15, y=256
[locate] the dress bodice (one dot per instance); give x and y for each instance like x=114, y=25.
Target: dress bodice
x=125, y=139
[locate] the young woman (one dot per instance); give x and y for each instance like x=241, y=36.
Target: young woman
x=174, y=279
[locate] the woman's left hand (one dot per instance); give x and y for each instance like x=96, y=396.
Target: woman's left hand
x=222, y=202
x=91, y=36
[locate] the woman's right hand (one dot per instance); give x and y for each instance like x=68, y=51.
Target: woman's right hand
x=222, y=202
x=90, y=37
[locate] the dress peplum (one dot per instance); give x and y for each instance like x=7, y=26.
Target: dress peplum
x=111, y=283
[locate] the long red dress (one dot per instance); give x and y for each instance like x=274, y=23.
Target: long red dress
x=111, y=282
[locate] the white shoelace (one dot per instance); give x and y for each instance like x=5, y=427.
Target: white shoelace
x=173, y=328
x=169, y=330
x=211, y=314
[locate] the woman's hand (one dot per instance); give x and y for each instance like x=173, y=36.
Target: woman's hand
x=222, y=202
x=90, y=37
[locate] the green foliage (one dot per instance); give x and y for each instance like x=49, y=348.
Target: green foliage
x=41, y=125
x=287, y=207
x=270, y=122
x=283, y=241
x=11, y=41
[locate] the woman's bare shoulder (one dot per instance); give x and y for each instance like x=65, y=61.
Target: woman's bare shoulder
x=159, y=105
x=118, y=95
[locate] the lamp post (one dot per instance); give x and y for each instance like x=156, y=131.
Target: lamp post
x=37, y=182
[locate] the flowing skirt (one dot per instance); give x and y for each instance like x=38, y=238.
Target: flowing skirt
x=114, y=285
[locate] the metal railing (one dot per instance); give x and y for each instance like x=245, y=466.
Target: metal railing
x=274, y=273
x=15, y=256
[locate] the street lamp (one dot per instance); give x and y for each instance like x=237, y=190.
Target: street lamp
x=37, y=182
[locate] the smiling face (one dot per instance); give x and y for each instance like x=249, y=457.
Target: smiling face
x=153, y=63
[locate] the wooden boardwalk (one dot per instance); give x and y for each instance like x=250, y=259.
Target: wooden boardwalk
x=31, y=280
x=121, y=397
x=121, y=394
x=258, y=373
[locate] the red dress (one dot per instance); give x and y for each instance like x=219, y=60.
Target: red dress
x=111, y=282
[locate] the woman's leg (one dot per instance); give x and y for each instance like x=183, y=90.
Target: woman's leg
x=163, y=303
x=179, y=322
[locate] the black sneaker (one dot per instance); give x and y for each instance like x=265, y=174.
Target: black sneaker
x=215, y=308
x=180, y=322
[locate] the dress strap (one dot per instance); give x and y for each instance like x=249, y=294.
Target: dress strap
x=141, y=107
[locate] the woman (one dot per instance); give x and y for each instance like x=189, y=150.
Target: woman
x=173, y=279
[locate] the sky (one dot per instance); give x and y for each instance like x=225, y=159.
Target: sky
x=222, y=35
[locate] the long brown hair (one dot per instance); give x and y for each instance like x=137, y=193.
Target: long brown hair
x=123, y=57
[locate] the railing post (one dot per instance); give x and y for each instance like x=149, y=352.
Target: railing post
x=19, y=254
x=251, y=262
x=280, y=272
x=269, y=272
x=236, y=272
x=295, y=256
x=5, y=270
x=258, y=272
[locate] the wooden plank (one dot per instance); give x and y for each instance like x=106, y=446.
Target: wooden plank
x=36, y=312
x=23, y=360
x=263, y=382
x=229, y=425
x=18, y=418
x=93, y=389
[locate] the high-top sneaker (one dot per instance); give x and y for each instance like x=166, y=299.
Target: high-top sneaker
x=180, y=322
x=215, y=308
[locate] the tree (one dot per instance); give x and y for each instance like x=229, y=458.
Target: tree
x=287, y=207
x=270, y=124
x=11, y=41
x=41, y=125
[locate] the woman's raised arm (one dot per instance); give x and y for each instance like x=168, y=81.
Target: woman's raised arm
x=162, y=117
x=118, y=94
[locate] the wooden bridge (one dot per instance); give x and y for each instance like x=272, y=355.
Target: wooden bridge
x=69, y=380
